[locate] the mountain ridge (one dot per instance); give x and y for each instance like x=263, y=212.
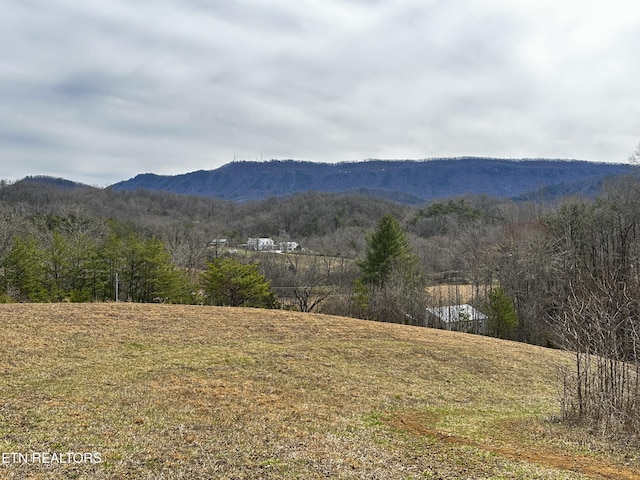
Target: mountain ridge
x=406, y=181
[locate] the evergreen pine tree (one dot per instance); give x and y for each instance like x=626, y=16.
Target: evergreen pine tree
x=229, y=282
x=503, y=319
x=387, y=250
x=25, y=271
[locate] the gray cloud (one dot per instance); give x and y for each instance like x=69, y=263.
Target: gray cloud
x=99, y=91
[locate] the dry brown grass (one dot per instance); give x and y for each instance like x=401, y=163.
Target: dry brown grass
x=205, y=392
x=451, y=294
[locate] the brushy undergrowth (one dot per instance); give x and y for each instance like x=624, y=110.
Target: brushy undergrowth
x=163, y=391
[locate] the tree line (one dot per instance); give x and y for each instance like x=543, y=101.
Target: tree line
x=79, y=259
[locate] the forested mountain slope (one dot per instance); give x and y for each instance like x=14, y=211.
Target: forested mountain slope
x=405, y=181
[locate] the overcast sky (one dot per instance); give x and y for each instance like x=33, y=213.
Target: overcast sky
x=98, y=91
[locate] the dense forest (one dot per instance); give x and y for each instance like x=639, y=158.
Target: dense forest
x=562, y=274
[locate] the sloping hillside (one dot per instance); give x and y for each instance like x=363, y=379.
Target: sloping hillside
x=405, y=181
x=158, y=391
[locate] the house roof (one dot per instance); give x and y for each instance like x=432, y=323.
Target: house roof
x=456, y=313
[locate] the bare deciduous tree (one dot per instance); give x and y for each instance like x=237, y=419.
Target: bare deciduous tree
x=598, y=248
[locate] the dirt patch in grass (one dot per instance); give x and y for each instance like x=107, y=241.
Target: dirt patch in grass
x=205, y=392
x=598, y=467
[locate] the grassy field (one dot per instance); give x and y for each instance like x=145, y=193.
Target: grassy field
x=182, y=392
x=451, y=294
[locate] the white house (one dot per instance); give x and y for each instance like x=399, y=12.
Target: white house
x=219, y=242
x=461, y=318
x=261, y=243
x=288, y=246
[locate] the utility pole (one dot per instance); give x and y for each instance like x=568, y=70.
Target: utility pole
x=117, y=284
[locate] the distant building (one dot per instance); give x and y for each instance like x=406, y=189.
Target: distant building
x=219, y=242
x=261, y=243
x=461, y=318
x=288, y=246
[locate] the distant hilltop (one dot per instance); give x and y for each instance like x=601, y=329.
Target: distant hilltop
x=406, y=181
